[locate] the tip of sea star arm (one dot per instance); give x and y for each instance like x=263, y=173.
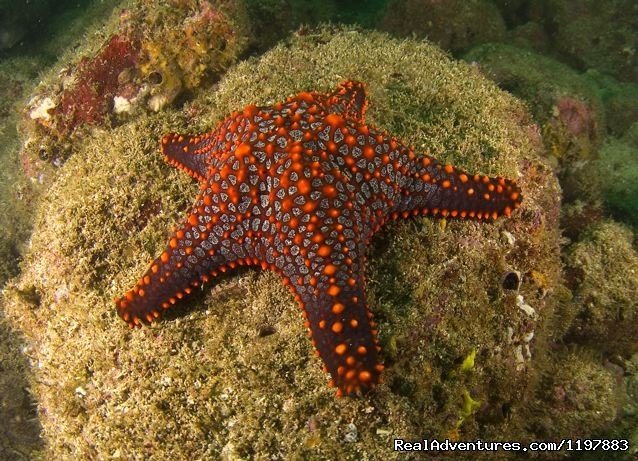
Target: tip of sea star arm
x=350, y=100
x=150, y=296
x=188, y=153
x=449, y=192
x=189, y=260
x=156, y=291
x=344, y=335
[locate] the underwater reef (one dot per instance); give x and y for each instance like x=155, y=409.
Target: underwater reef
x=522, y=329
x=230, y=371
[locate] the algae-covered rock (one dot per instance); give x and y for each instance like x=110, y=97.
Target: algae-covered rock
x=20, y=428
x=629, y=430
x=273, y=20
x=596, y=34
x=603, y=271
x=566, y=105
x=620, y=100
x=624, y=434
x=529, y=35
x=229, y=373
x=618, y=169
x=454, y=25
x=16, y=78
x=579, y=396
x=148, y=54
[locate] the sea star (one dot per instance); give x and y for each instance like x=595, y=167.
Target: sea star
x=299, y=188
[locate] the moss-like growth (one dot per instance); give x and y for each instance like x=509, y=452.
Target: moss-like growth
x=595, y=34
x=618, y=170
x=577, y=398
x=603, y=271
x=578, y=216
x=454, y=25
x=631, y=135
x=16, y=78
x=629, y=427
x=626, y=430
x=530, y=35
x=567, y=107
x=19, y=426
x=187, y=44
x=620, y=100
x=147, y=55
x=230, y=372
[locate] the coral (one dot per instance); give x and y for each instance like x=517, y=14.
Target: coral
x=454, y=25
x=230, y=373
x=602, y=271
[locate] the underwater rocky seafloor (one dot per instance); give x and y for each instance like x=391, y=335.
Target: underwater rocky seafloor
x=483, y=334
x=231, y=371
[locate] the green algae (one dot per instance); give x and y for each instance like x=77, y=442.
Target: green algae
x=618, y=169
x=600, y=35
x=230, y=372
x=454, y=25
x=568, y=107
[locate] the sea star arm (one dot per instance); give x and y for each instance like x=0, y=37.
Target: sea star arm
x=195, y=253
x=395, y=182
x=349, y=100
x=190, y=154
x=433, y=188
x=333, y=302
